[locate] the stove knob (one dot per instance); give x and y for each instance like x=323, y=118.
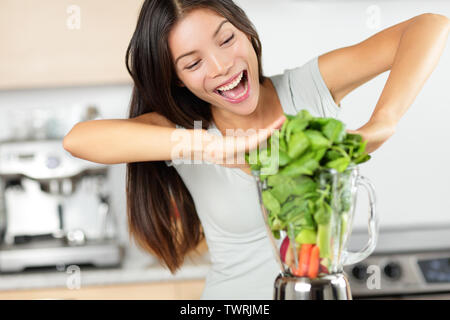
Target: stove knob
x=359, y=271
x=393, y=271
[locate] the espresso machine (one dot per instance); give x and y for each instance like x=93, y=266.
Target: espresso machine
x=54, y=209
x=312, y=262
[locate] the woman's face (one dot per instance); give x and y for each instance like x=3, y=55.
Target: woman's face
x=216, y=61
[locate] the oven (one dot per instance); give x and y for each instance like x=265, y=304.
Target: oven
x=411, y=263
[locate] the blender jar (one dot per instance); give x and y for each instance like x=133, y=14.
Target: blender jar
x=309, y=220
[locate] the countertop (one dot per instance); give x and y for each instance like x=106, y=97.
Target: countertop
x=137, y=267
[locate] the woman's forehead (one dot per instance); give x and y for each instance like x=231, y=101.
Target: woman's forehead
x=199, y=24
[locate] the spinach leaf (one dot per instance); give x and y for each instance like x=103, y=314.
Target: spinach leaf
x=252, y=158
x=302, y=186
x=296, y=125
x=361, y=159
x=320, y=153
x=283, y=158
x=298, y=144
x=275, y=180
x=334, y=130
x=318, y=123
x=317, y=140
x=284, y=187
x=270, y=202
x=305, y=165
x=339, y=164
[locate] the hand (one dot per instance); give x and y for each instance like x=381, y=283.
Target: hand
x=229, y=151
x=375, y=132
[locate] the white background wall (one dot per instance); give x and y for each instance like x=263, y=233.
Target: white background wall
x=410, y=172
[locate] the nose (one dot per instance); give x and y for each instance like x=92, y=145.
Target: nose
x=220, y=64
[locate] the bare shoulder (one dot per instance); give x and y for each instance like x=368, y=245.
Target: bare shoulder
x=154, y=118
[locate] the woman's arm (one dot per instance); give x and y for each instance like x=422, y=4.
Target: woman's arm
x=411, y=50
x=418, y=53
x=151, y=137
x=113, y=141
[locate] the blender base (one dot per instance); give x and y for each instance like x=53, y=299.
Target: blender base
x=329, y=287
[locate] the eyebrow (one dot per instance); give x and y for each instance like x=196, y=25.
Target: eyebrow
x=194, y=51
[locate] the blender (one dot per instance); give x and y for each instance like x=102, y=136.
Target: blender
x=311, y=248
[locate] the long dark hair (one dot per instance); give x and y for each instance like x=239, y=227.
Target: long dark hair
x=162, y=217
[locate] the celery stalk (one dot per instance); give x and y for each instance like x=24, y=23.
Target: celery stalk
x=306, y=236
x=343, y=227
x=323, y=240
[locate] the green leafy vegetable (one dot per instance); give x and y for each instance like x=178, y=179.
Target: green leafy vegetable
x=298, y=196
x=298, y=144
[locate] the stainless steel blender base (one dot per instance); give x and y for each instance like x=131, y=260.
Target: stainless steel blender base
x=330, y=287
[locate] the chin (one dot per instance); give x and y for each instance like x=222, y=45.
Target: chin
x=250, y=105
x=244, y=109
x=247, y=110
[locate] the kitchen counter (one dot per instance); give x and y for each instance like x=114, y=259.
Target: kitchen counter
x=137, y=267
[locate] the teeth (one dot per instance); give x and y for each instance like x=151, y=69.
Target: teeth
x=233, y=84
x=243, y=93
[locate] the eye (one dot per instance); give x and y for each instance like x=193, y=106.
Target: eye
x=229, y=39
x=193, y=65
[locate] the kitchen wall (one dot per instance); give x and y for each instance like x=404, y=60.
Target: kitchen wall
x=409, y=172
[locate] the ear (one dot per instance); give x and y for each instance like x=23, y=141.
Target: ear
x=180, y=83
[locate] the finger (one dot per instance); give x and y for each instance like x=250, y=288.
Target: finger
x=278, y=123
x=264, y=134
x=258, y=138
x=251, y=142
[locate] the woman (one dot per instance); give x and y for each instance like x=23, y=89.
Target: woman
x=200, y=60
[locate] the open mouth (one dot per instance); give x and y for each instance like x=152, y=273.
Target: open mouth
x=236, y=91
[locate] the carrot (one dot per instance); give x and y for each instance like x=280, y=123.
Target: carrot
x=314, y=262
x=303, y=259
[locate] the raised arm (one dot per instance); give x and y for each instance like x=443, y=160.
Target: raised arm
x=411, y=50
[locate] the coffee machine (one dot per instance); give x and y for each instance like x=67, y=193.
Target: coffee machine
x=54, y=209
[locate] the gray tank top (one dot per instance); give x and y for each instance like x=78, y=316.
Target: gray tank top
x=243, y=265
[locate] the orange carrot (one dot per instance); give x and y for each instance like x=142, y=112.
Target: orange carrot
x=314, y=262
x=303, y=259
